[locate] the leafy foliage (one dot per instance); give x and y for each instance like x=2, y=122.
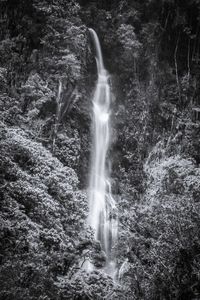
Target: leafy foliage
x=163, y=245
x=42, y=218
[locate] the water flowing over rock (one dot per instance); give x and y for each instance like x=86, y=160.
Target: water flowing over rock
x=103, y=212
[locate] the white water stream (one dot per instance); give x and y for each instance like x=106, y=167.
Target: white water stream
x=102, y=206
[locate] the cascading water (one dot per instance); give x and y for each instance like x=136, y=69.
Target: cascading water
x=103, y=212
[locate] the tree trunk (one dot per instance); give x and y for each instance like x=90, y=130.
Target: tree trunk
x=188, y=60
x=176, y=67
x=57, y=117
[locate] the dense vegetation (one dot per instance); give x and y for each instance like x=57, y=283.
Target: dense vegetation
x=47, y=73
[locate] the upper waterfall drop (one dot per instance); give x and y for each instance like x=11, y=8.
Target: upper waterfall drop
x=102, y=206
x=99, y=57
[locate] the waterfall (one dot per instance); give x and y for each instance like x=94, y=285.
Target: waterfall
x=102, y=205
